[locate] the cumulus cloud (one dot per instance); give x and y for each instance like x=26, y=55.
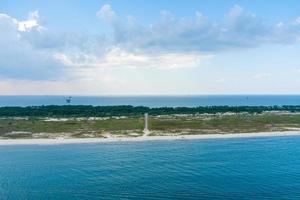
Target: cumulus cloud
x=31, y=22
x=31, y=51
x=18, y=58
x=239, y=29
x=45, y=54
x=28, y=49
x=107, y=13
x=117, y=57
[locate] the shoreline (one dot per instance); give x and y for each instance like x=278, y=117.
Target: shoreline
x=143, y=138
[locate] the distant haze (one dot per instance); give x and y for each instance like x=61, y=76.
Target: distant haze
x=154, y=101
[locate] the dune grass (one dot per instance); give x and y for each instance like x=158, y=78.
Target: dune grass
x=159, y=125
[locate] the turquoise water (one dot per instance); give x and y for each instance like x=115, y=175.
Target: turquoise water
x=257, y=168
x=155, y=101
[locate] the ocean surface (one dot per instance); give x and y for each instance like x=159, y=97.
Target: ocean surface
x=254, y=168
x=154, y=101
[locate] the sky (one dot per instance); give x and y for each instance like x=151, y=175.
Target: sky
x=133, y=47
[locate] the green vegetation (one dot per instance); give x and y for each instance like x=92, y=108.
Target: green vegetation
x=102, y=111
x=238, y=123
x=44, y=127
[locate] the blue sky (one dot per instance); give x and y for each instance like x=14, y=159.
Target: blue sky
x=131, y=47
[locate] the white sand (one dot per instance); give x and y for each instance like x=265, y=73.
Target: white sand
x=143, y=138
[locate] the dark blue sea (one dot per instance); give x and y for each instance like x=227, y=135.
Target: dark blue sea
x=154, y=101
x=256, y=168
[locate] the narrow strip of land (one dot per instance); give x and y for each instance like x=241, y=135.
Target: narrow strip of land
x=88, y=123
x=143, y=138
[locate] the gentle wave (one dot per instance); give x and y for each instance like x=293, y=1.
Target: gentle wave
x=252, y=168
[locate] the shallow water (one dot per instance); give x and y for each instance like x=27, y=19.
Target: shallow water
x=254, y=168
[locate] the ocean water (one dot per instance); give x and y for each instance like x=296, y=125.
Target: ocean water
x=255, y=168
x=155, y=101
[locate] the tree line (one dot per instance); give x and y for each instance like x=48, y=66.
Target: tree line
x=104, y=111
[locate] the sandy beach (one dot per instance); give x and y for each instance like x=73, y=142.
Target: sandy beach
x=143, y=138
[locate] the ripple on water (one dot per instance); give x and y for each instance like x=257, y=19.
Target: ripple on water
x=264, y=168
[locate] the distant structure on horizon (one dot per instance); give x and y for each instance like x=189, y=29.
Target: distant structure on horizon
x=68, y=100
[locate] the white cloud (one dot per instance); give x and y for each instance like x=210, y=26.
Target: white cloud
x=240, y=29
x=169, y=43
x=297, y=21
x=46, y=55
x=107, y=13
x=18, y=58
x=262, y=76
x=31, y=22
x=118, y=58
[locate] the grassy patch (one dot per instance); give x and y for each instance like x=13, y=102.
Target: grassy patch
x=133, y=126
